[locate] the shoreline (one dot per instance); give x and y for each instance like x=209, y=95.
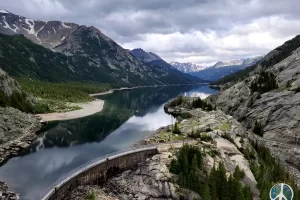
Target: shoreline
x=87, y=109
x=111, y=91
x=137, y=87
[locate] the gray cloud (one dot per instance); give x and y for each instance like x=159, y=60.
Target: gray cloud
x=189, y=30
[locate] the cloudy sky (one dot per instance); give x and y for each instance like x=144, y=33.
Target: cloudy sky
x=199, y=31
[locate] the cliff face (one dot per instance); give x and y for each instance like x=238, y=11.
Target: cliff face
x=277, y=110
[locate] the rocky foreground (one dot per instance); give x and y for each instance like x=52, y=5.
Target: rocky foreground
x=17, y=130
x=277, y=111
x=152, y=179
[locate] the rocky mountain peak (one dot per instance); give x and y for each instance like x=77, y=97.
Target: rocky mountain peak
x=187, y=67
x=48, y=34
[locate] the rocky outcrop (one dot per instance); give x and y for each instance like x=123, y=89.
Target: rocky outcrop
x=5, y=193
x=17, y=130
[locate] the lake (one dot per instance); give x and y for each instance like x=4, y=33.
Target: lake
x=127, y=116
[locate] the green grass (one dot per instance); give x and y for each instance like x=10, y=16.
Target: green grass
x=180, y=125
x=168, y=136
x=225, y=126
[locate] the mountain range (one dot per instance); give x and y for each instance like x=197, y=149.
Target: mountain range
x=187, y=67
x=221, y=69
x=67, y=52
x=158, y=63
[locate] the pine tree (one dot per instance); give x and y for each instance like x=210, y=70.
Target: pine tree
x=247, y=193
x=206, y=192
x=195, y=165
x=221, y=179
x=214, y=192
x=176, y=129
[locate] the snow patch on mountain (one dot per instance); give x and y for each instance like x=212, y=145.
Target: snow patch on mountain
x=8, y=26
x=64, y=25
x=187, y=67
x=36, y=34
x=3, y=11
x=54, y=29
x=228, y=63
x=30, y=23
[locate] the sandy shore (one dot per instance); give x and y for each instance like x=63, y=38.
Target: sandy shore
x=87, y=109
x=111, y=91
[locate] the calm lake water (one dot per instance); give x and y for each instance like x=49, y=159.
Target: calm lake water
x=127, y=117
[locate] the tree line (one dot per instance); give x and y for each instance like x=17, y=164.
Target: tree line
x=66, y=92
x=194, y=103
x=265, y=82
x=16, y=100
x=268, y=171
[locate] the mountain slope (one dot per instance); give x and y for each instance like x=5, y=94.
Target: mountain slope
x=89, y=55
x=187, y=67
x=221, y=69
x=144, y=56
x=20, y=57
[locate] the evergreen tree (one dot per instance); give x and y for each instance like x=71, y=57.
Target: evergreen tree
x=176, y=129
x=206, y=192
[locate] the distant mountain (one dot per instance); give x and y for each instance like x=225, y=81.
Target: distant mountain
x=144, y=56
x=275, y=56
x=157, y=63
x=83, y=54
x=241, y=63
x=221, y=69
x=187, y=67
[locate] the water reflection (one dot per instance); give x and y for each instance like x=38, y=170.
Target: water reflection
x=118, y=108
x=127, y=117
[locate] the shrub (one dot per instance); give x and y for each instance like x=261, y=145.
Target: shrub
x=258, y=129
x=90, y=196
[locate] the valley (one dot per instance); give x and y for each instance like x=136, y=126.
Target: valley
x=116, y=107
